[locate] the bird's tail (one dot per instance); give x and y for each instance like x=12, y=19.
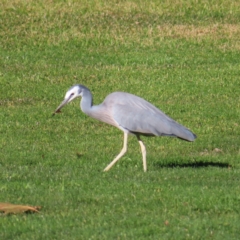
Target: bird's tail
x=184, y=133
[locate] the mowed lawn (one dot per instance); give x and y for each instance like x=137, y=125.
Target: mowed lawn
x=182, y=56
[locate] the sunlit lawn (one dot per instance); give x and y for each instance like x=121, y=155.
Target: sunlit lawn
x=181, y=56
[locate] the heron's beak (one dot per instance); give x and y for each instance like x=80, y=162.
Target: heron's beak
x=64, y=102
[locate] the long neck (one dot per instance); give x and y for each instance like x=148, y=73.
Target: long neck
x=99, y=112
x=86, y=102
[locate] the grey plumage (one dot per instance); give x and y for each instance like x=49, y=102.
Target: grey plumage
x=129, y=113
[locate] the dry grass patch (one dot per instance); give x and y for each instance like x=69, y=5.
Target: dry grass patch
x=212, y=32
x=215, y=31
x=124, y=22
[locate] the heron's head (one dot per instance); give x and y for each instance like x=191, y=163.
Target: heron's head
x=73, y=92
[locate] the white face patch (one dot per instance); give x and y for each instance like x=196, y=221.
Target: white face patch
x=72, y=93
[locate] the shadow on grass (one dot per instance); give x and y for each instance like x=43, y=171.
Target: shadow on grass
x=199, y=164
x=79, y=155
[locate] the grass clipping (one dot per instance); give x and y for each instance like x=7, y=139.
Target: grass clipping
x=8, y=208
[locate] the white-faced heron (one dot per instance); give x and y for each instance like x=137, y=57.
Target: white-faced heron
x=129, y=113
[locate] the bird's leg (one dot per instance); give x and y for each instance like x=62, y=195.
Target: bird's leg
x=123, y=151
x=144, y=153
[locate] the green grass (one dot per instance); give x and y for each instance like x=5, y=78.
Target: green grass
x=183, y=56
